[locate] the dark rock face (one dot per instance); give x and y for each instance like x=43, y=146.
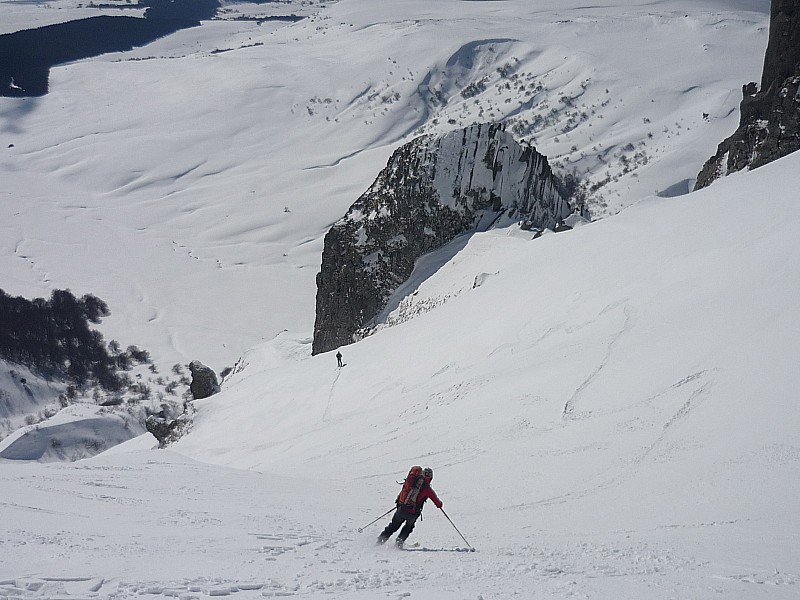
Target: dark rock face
x=769, y=127
x=432, y=190
x=204, y=380
x=783, y=51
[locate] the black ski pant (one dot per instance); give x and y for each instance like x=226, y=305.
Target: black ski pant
x=400, y=517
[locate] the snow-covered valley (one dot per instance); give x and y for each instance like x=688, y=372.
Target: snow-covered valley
x=610, y=411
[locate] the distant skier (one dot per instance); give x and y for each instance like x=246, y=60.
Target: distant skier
x=416, y=490
x=339, y=358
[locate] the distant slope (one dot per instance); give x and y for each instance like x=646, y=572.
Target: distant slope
x=77, y=432
x=25, y=396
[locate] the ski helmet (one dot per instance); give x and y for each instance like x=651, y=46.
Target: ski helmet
x=428, y=472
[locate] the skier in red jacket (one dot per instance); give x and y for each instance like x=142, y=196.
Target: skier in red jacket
x=409, y=514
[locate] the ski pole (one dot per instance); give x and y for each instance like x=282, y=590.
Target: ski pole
x=459, y=533
x=361, y=529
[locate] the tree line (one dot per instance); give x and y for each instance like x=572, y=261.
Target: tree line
x=54, y=336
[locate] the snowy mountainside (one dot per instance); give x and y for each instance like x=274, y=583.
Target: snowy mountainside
x=610, y=412
x=194, y=195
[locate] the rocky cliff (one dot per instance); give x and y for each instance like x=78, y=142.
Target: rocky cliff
x=432, y=190
x=769, y=127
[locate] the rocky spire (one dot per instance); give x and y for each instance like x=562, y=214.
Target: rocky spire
x=432, y=190
x=769, y=126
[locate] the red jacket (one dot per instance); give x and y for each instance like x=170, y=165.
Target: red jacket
x=425, y=493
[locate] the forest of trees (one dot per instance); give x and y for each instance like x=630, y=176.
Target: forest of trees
x=54, y=337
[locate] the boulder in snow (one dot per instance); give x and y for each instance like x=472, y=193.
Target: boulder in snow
x=204, y=381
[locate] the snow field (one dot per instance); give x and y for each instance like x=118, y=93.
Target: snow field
x=609, y=411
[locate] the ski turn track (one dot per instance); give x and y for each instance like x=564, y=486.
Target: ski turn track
x=569, y=407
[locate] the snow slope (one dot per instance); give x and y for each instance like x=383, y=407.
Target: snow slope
x=610, y=412
x=619, y=358
x=24, y=394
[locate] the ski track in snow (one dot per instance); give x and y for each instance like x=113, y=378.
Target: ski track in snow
x=214, y=530
x=569, y=407
x=695, y=398
x=329, y=404
x=389, y=573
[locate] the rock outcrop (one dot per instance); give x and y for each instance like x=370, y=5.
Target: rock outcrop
x=769, y=125
x=204, y=380
x=432, y=190
x=167, y=431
